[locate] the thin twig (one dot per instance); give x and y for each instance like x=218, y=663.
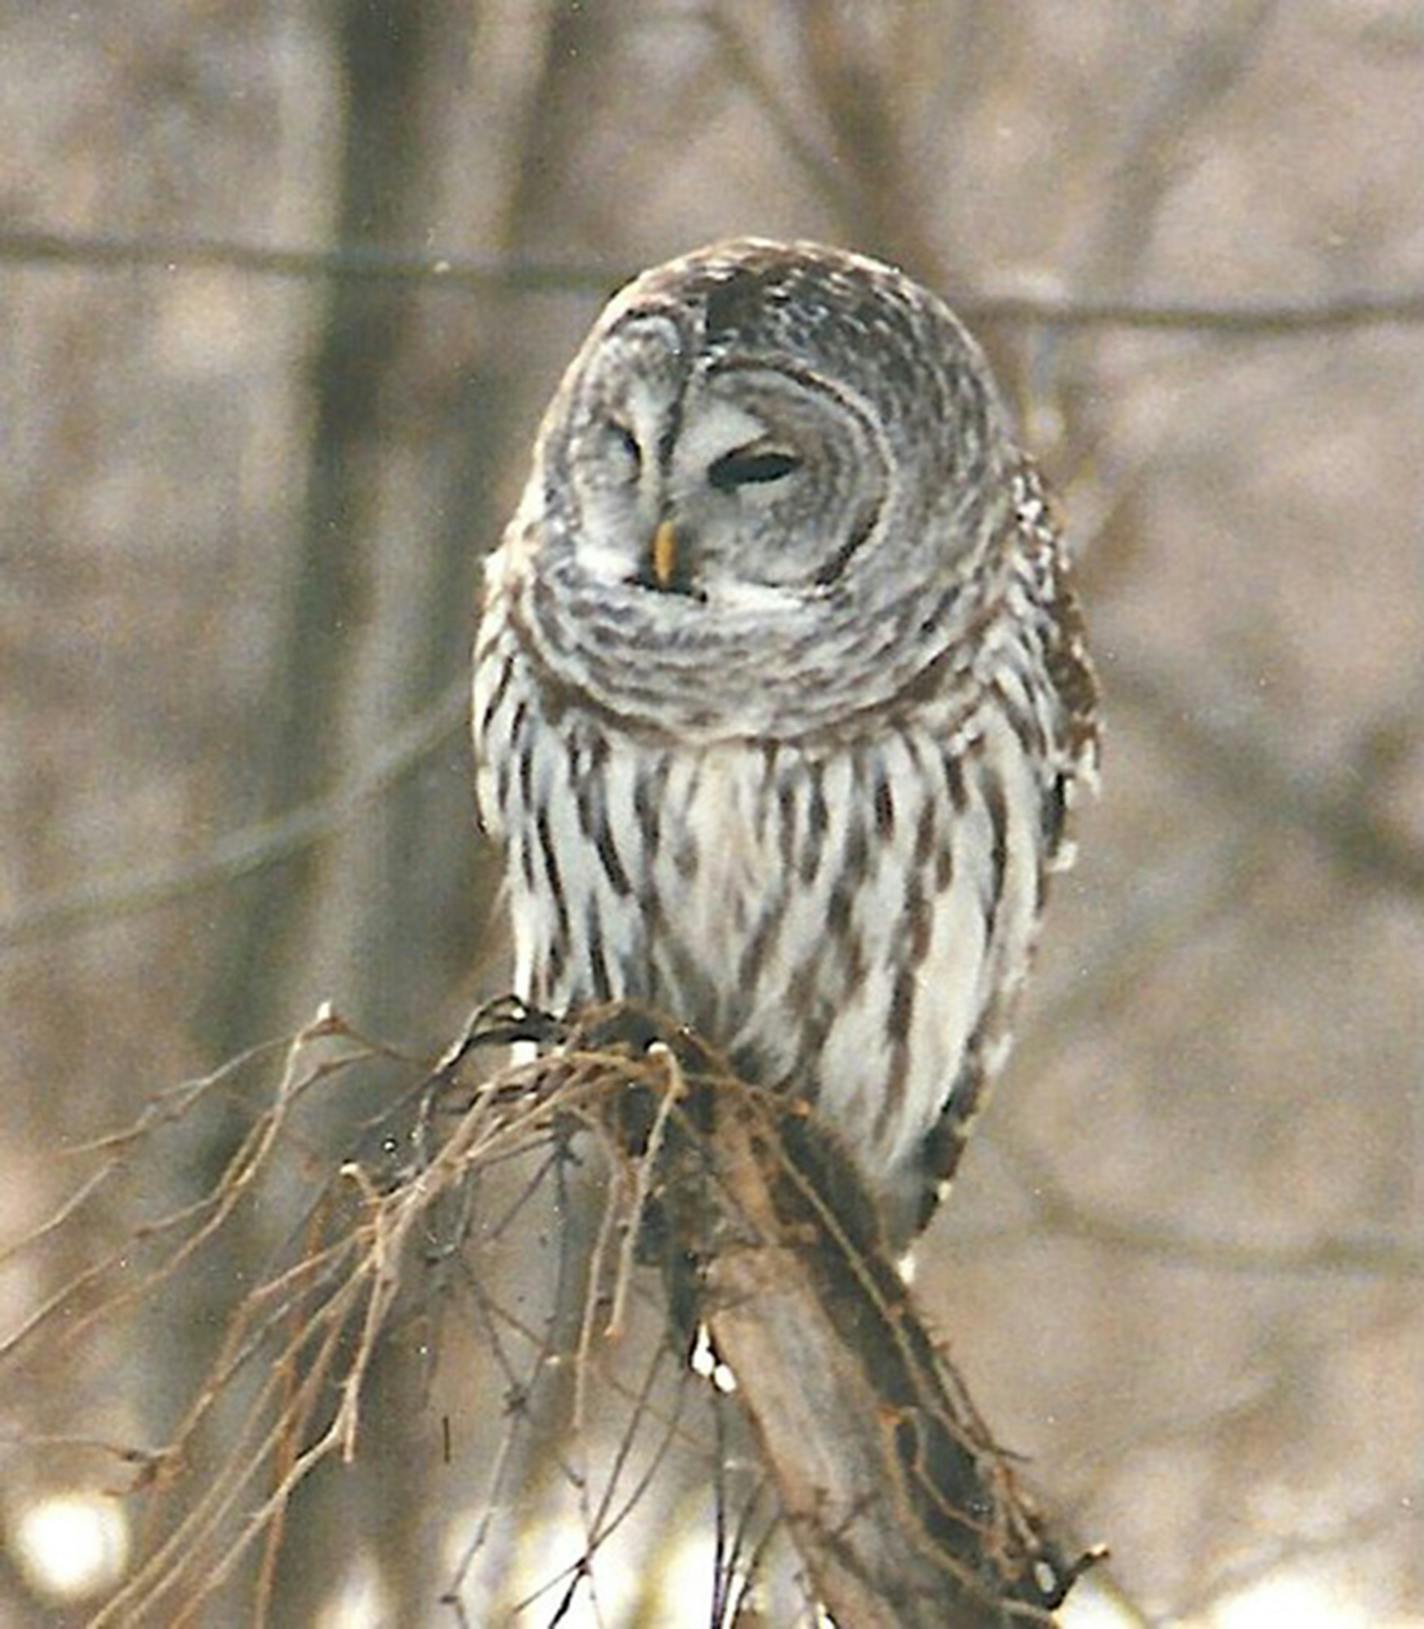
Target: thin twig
x=643, y=1182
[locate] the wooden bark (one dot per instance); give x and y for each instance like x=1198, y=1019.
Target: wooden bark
x=904, y=1512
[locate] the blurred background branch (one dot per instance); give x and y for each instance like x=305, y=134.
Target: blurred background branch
x=1304, y=316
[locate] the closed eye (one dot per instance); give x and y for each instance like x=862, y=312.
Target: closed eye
x=626, y=440
x=746, y=468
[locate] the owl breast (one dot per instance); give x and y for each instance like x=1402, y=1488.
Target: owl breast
x=849, y=915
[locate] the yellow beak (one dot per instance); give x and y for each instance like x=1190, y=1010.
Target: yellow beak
x=664, y=554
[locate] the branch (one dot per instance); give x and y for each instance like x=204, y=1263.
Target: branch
x=856, y=1470
x=1257, y=319
x=904, y=1512
x=1241, y=764
x=1055, y=1212
x=241, y=852
x=351, y=261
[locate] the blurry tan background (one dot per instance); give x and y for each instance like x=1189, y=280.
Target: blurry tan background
x=244, y=501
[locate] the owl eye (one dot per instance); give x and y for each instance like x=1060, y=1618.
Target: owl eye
x=748, y=468
x=626, y=442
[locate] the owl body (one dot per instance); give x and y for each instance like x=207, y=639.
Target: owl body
x=780, y=693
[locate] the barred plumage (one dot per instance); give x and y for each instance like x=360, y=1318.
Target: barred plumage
x=781, y=693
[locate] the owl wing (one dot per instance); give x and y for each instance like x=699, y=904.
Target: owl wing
x=1074, y=744
x=496, y=657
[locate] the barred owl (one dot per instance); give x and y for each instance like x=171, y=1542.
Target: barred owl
x=781, y=695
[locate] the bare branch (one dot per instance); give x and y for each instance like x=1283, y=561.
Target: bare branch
x=902, y=1509
x=246, y=850
x=744, y=62
x=1057, y=1212
x=1263, y=319
x=355, y=262
x=1242, y=765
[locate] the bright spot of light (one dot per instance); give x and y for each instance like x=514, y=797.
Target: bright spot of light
x=69, y=1545
x=547, y=1557
x=705, y=1362
x=1297, y=1599
x=359, y=1602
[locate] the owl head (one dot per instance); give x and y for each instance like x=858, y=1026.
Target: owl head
x=761, y=449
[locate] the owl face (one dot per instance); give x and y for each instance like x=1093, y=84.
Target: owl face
x=766, y=493
x=735, y=481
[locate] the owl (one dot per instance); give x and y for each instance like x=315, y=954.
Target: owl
x=781, y=696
